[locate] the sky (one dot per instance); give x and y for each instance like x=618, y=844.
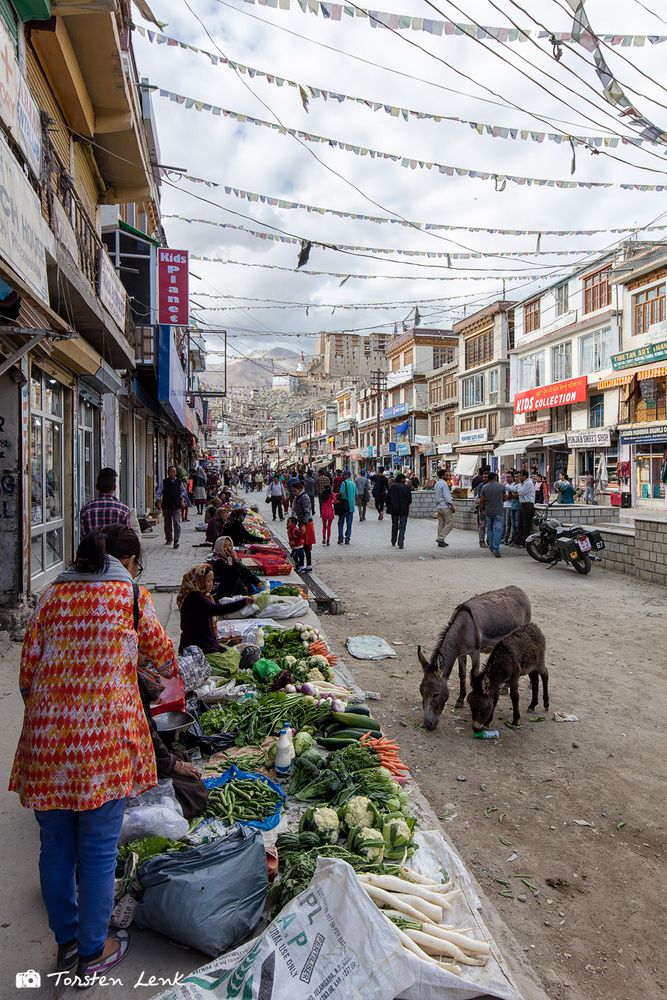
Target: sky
x=485, y=82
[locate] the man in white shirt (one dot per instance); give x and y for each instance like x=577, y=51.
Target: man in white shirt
x=526, y=494
x=444, y=508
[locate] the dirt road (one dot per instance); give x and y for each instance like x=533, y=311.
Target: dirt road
x=582, y=804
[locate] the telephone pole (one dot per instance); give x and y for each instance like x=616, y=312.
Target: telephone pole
x=379, y=387
x=309, y=415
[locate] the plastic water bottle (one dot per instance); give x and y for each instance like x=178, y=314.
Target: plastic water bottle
x=487, y=734
x=284, y=755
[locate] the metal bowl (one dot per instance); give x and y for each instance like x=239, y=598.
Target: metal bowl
x=173, y=722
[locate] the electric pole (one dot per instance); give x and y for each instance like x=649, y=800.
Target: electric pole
x=309, y=415
x=379, y=386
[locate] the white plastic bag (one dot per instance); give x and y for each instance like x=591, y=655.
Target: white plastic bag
x=369, y=647
x=162, y=794
x=153, y=821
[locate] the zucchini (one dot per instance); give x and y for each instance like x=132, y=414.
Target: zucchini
x=358, y=710
x=351, y=732
x=332, y=743
x=355, y=721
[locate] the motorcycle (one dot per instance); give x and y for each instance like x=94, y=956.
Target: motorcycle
x=574, y=543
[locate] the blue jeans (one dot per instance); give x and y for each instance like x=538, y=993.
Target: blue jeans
x=399, y=523
x=494, y=530
x=345, y=521
x=85, y=842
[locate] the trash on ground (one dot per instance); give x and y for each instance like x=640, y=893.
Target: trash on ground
x=564, y=717
x=582, y=822
x=369, y=647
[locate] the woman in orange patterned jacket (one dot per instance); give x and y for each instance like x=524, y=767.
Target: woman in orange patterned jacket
x=85, y=745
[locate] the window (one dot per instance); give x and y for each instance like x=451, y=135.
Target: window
x=597, y=290
x=47, y=499
x=510, y=330
x=596, y=411
x=435, y=426
x=562, y=295
x=435, y=391
x=479, y=423
x=648, y=307
x=531, y=317
x=561, y=418
x=649, y=400
x=466, y=424
x=338, y=346
x=493, y=384
x=531, y=371
x=442, y=356
x=408, y=357
x=473, y=391
x=396, y=363
x=450, y=423
x=89, y=447
x=492, y=425
x=479, y=349
x=449, y=388
x=531, y=418
x=561, y=362
x=596, y=350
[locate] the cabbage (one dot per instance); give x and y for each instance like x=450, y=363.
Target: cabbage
x=302, y=742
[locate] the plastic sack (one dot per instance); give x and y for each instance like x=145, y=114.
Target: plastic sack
x=265, y=670
x=369, y=647
x=162, y=794
x=193, y=668
x=233, y=772
x=288, y=607
x=209, y=897
x=329, y=941
x=153, y=821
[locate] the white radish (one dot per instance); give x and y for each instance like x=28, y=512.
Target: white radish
x=450, y=967
x=410, y=946
x=436, y=946
x=393, y=901
x=414, y=876
x=394, y=884
x=458, y=938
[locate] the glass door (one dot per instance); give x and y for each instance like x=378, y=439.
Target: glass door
x=47, y=501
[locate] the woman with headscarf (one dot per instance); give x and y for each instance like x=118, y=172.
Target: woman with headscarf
x=231, y=576
x=198, y=609
x=238, y=532
x=216, y=526
x=85, y=745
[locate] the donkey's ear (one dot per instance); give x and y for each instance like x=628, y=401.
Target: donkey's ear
x=422, y=659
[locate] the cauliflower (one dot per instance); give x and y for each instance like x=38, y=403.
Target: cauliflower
x=322, y=664
x=321, y=820
x=315, y=675
x=367, y=842
x=398, y=832
x=289, y=661
x=358, y=811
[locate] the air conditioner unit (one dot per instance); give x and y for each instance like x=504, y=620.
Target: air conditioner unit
x=493, y=399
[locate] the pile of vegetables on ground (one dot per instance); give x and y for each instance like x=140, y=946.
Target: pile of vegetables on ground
x=256, y=718
x=243, y=799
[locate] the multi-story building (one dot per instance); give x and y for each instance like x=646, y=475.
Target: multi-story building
x=345, y=440
x=368, y=436
x=443, y=403
x=350, y=355
x=565, y=392
x=485, y=411
x=640, y=370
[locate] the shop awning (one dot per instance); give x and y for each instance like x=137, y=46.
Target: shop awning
x=652, y=372
x=467, y=465
x=510, y=448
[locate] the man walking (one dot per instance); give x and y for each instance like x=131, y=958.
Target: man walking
x=363, y=493
x=526, y=495
x=346, y=495
x=399, y=499
x=380, y=490
x=322, y=483
x=168, y=499
x=105, y=509
x=444, y=508
x=481, y=519
x=277, y=495
x=309, y=487
x=491, y=506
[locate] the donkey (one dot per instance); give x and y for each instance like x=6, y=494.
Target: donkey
x=475, y=626
x=519, y=653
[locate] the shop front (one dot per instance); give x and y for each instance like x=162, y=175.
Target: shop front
x=594, y=453
x=645, y=450
x=475, y=444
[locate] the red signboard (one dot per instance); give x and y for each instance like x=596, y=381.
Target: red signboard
x=574, y=390
x=173, y=291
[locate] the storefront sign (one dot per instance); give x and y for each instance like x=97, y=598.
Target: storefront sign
x=550, y=440
x=574, y=390
x=394, y=411
x=344, y=425
x=173, y=287
x=535, y=429
x=9, y=79
x=644, y=435
x=404, y=449
x=595, y=438
x=172, y=383
x=422, y=439
x=111, y=289
x=370, y=451
x=640, y=356
x=445, y=449
x=392, y=447
x=63, y=229
x=429, y=449
x=473, y=437
x=21, y=224
x=18, y=108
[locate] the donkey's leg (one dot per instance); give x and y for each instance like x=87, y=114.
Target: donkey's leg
x=514, y=695
x=534, y=687
x=545, y=689
x=463, y=662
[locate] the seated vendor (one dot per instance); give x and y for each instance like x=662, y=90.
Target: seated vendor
x=231, y=576
x=216, y=526
x=211, y=508
x=198, y=609
x=238, y=532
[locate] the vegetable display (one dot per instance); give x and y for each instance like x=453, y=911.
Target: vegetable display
x=244, y=799
x=367, y=842
x=255, y=719
x=387, y=752
x=323, y=821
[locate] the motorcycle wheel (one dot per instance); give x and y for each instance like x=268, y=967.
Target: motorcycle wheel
x=533, y=550
x=583, y=564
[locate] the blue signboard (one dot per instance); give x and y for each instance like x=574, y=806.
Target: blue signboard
x=404, y=449
x=171, y=379
x=395, y=411
x=392, y=446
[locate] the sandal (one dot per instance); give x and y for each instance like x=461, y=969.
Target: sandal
x=67, y=957
x=89, y=971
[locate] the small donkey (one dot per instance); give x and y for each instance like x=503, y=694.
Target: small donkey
x=519, y=653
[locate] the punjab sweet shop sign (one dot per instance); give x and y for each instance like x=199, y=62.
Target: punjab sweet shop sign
x=573, y=390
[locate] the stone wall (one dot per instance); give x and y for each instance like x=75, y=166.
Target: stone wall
x=619, y=553
x=651, y=550
x=423, y=505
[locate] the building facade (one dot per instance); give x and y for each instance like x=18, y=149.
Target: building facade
x=443, y=405
x=350, y=355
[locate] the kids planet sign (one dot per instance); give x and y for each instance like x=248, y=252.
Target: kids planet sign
x=573, y=390
x=173, y=290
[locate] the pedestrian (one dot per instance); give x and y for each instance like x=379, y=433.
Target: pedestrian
x=380, y=489
x=303, y=514
x=526, y=495
x=399, y=499
x=363, y=493
x=565, y=489
x=327, y=514
x=478, y=479
x=291, y=484
x=246, y=481
x=344, y=507
x=277, y=497
x=337, y=480
x=234, y=479
x=199, y=487
x=414, y=482
x=444, y=508
x=168, y=499
x=322, y=483
x=105, y=509
x=541, y=490
x=296, y=533
x=491, y=499
x=309, y=487
x=85, y=745
x=589, y=487
x=185, y=506
x=508, y=529
x=481, y=519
